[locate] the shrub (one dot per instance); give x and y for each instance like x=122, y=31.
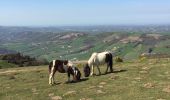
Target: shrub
x=142, y=58
x=23, y=60
x=118, y=59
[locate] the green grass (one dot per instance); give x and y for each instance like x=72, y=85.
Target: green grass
x=50, y=48
x=4, y=64
x=142, y=80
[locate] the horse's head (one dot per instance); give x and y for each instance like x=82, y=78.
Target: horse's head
x=65, y=62
x=77, y=74
x=86, y=70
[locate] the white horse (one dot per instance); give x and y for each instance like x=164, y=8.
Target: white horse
x=97, y=59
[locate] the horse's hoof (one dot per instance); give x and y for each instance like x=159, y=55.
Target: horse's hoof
x=99, y=74
x=92, y=75
x=50, y=84
x=68, y=81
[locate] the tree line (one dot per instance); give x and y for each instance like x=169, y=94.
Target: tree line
x=23, y=60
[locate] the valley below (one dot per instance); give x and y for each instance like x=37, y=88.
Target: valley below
x=78, y=43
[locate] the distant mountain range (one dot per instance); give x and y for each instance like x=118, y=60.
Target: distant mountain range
x=79, y=42
x=6, y=51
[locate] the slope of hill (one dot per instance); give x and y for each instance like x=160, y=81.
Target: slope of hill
x=51, y=43
x=4, y=64
x=132, y=80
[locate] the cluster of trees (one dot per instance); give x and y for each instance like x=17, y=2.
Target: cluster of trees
x=23, y=60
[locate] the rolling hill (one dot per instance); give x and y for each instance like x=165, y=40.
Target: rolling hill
x=133, y=79
x=67, y=43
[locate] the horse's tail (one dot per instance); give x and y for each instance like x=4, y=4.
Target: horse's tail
x=50, y=66
x=111, y=62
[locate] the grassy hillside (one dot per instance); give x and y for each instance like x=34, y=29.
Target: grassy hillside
x=4, y=64
x=133, y=80
x=80, y=45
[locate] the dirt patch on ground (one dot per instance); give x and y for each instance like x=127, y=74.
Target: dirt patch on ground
x=19, y=70
x=100, y=92
x=56, y=98
x=149, y=85
x=70, y=93
x=102, y=83
x=86, y=99
x=166, y=89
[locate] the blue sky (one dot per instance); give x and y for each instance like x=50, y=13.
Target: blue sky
x=83, y=12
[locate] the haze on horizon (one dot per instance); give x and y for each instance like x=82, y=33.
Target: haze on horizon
x=83, y=12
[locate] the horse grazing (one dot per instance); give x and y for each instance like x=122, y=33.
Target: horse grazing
x=98, y=59
x=63, y=66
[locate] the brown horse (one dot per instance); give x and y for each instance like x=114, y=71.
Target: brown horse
x=63, y=66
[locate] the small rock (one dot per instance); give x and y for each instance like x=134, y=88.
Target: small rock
x=51, y=94
x=138, y=78
x=89, y=99
x=145, y=68
x=150, y=63
x=69, y=93
x=149, y=85
x=114, y=77
x=34, y=90
x=143, y=72
x=91, y=87
x=167, y=89
x=166, y=73
x=56, y=98
x=83, y=99
x=160, y=75
x=102, y=83
x=100, y=92
x=86, y=99
x=161, y=99
x=164, y=65
x=134, y=82
x=35, y=93
x=8, y=87
x=100, y=86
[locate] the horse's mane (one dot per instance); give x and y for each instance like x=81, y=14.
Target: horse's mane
x=92, y=58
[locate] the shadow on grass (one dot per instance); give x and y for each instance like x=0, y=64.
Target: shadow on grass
x=81, y=80
x=119, y=71
x=115, y=71
x=57, y=83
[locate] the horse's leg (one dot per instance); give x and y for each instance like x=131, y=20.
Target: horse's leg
x=98, y=69
x=51, y=79
x=68, y=74
x=107, y=68
x=111, y=68
x=111, y=63
x=92, y=71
